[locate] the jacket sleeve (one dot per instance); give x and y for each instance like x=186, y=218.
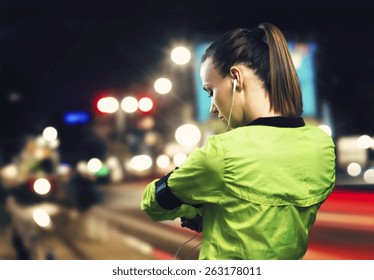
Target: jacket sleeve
x=157, y=213
x=200, y=179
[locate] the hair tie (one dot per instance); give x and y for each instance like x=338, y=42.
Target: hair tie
x=259, y=33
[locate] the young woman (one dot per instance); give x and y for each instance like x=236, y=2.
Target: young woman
x=257, y=188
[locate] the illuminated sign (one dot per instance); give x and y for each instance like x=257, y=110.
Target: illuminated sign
x=76, y=117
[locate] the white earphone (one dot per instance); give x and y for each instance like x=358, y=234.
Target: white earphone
x=234, y=85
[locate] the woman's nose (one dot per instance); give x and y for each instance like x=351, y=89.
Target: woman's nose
x=213, y=109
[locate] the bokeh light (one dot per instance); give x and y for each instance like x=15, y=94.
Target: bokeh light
x=107, y=105
x=326, y=129
x=180, y=55
x=129, y=104
x=163, y=86
x=41, y=217
x=10, y=171
x=42, y=186
x=163, y=161
x=54, y=144
x=50, y=133
x=179, y=158
x=145, y=104
x=94, y=165
x=141, y=162
x=354, y=169
x=63, y=169
x=369, y=176
x=365, y=142
x=188, y=135
x=82, y=167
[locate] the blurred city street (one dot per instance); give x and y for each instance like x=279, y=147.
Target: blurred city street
x=117, y=229
x=97, y=100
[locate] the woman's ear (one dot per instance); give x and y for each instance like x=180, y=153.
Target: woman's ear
x=237, y=77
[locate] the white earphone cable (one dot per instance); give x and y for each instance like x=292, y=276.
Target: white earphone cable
x=189, y=240
x=232, y=106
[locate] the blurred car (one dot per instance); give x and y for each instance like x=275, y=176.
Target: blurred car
x=32, y=188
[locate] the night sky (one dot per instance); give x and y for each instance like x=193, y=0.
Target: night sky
x=58, y=55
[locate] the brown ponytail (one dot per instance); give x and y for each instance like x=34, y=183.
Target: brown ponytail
x=284, y=92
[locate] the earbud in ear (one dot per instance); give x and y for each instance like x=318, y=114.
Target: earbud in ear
x=234, y=85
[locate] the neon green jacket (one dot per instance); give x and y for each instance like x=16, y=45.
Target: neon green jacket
x=260, y=185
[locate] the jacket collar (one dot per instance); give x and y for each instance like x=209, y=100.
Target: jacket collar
x=292, y=122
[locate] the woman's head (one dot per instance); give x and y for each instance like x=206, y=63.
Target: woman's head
x=261, y=56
